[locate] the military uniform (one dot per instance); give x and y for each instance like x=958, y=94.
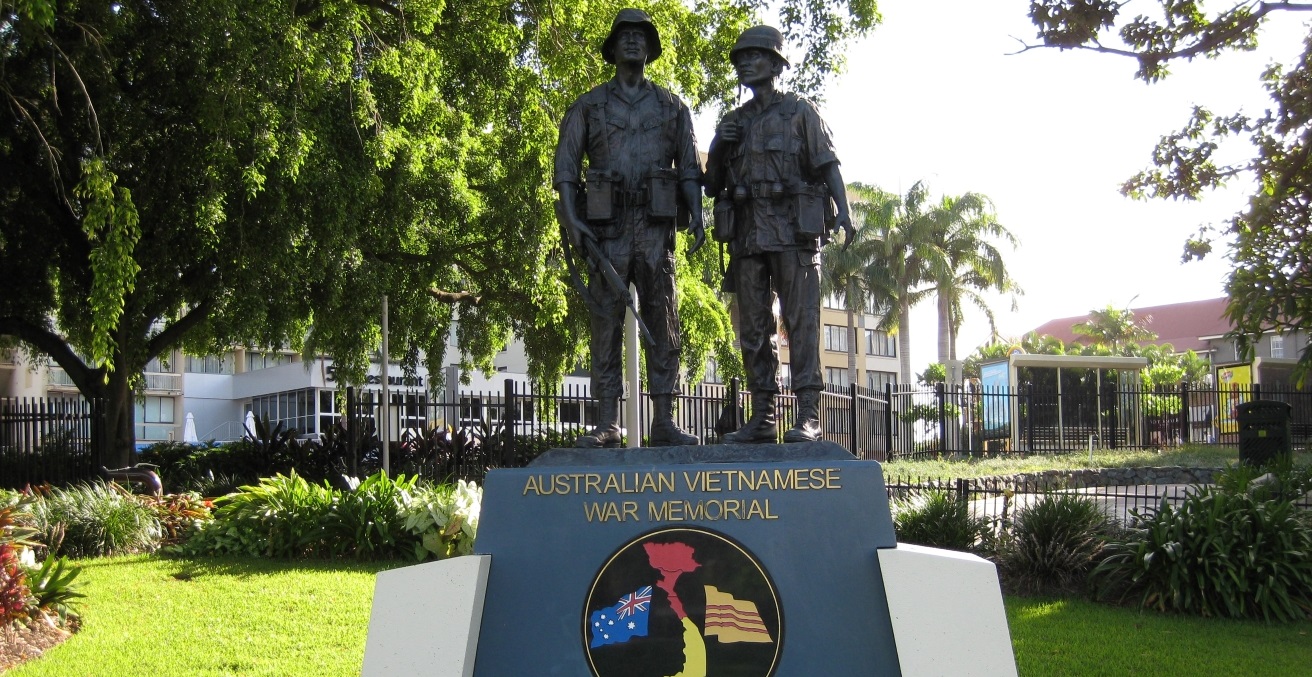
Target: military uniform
x=774, y=176
x=769, y=175
x=628, y=142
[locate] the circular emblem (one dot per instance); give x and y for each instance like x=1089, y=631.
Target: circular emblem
x=682, y=601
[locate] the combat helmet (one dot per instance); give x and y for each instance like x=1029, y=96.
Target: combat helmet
x=636, y=17
x=767, y=38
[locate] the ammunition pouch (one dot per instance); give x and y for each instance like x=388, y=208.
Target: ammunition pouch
x=604, y=197
x=723, y=216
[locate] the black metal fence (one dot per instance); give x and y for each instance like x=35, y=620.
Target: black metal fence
x=887, y=425
x=49, y=440
x=999, y=499
x=516, y=417
x=971, y=420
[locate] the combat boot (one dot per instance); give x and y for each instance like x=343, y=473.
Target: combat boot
x=761, y=428
x=607, y=432
x=664, y=431
x=807, y=426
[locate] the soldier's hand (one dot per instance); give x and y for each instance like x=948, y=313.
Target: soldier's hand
x=729, y=131
x=579, y=230
x=698, y=230
x=844, y=222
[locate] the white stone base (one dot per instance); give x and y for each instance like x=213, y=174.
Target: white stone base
x=425, y=619
x=947, y=612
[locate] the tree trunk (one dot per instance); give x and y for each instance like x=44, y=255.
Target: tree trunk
x=851, y=346
x=904, y=340
x=120, y=414
x=854, y=361
x=944, y=329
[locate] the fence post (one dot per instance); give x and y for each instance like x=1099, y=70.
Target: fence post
x=1029, y=419
x=1257, y=391
x=352, y=431
x=888, y=421
x=1116, y=416
x=1184, y=411
x=851, y=390
x=940, y=396
x=509, y=420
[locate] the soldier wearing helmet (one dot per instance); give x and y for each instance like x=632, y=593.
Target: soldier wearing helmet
x=775, y=178
x=626, y=169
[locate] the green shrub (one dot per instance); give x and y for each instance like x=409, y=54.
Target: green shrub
x=281, y=516
x=444, y=518
x=381, y=518
x=1054, y=543
x=938, y=519
x=178, y=514
x=28, y=592
x=1237, y=549
x=369, y=521
x=94, y=520
x=53, y=588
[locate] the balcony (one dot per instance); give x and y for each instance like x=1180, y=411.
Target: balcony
x=168, y=382
x=56, y=376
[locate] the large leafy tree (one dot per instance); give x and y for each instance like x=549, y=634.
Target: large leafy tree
x=1270, y=285
x=201, y=172
x=967, y=232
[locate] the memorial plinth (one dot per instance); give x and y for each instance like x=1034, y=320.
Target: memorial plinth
x=694, y=561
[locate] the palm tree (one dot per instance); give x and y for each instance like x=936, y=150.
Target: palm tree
x=845, y=272
x=1114, y=328
x=966, y=230
x=907, y=259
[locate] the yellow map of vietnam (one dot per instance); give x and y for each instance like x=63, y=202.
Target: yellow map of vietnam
x=674, y=560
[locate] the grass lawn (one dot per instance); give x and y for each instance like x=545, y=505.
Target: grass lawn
x=147, y=615
x=1075, y=637
x=1189, y=455
x=153, y=616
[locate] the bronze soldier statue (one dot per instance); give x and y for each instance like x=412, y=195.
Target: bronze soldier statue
x=641, y=177
x=778, y=190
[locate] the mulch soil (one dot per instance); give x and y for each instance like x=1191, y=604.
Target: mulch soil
x=20, y=644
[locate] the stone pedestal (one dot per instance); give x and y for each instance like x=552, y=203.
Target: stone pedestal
x=775, y=560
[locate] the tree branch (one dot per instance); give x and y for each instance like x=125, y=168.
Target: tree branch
x=385, y=6
x=173, y=333
x=87, y=379
x=453, y=298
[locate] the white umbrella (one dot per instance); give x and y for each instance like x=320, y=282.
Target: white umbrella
x=250, y=423
x=189, y=430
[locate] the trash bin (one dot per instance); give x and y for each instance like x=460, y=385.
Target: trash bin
x=1263, y=431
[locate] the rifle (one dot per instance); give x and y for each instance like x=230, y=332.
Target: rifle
x=607, y=270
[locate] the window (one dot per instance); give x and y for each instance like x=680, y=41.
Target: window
x=155, y=410
x=155, y=418
x=835, y=338
x=328, y=413
x=832, y=301
x=256, y=361
x=876, y=380
x=209, y=364
x=571, y=412
x=156, y=366
x=471, y=409
x=295, y=409
x=1277, y=345
x=836, y=376
x=881, y=343
x=712, y=371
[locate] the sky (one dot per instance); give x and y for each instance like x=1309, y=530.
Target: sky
x=937, y=93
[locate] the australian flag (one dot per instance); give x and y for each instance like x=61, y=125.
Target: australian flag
x=624, y=621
